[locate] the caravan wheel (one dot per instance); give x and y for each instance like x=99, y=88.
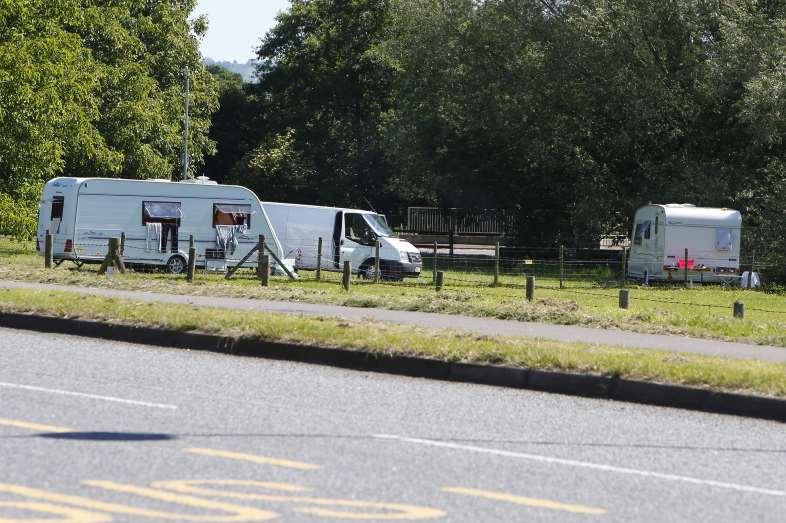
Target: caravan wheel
x=176, y=265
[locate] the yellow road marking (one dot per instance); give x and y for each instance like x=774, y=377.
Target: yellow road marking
x=263, y=460
x=387, y=511
x=521, y=500
x=72, y=515
x=236, y=513
x=32, y=426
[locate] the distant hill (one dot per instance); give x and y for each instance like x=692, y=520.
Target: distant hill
x=245, y=70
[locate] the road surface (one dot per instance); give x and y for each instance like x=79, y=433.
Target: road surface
x=92, y=430
x=487, y=326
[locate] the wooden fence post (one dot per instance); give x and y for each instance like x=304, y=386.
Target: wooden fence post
x=624, y=266
x=48, y=250
x=122, y=244
x=346, y=276
x=264, y=270
x=191, y=258
x=319, y=258
x=530, y=288
x=496, y=265
x=260, y=254
x=439, y=282
x=624, y=298
x=113, y=257
x=376, y=262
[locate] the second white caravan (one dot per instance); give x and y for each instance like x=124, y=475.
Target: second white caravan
x=347, y=235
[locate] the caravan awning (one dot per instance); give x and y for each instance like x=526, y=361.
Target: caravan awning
x=232, y=208
x=163, y=210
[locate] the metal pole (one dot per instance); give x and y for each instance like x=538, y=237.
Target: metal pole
x=624, y=265
x=530, y=288
x=187, y=73
x=496, y=264
x=440, y=280
x=434, y=269
x=376, y=262
x=260, y=255
x=750, y=271
x=561, y=266
x=686, y=267
x=624, y=301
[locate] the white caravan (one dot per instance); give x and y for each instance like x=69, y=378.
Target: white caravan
x=157, y=217
x=347, y=235
x=661, y=233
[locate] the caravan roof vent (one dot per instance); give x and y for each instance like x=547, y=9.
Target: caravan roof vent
x=201, y=180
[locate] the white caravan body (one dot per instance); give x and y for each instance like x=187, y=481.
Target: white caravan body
x=347, y=235
x=83, y=213
x=661, y=233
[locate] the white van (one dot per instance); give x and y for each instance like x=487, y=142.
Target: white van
x=157, y=217
x=347, y=235
x=661, y=233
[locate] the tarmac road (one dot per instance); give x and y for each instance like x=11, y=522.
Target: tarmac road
x=487, y=326
x=92, y=430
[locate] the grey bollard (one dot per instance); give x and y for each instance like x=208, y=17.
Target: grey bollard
x=530, y=288
x=440, y=280
x=624, y=299
x=739, y=310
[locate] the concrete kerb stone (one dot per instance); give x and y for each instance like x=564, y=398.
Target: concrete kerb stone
x=613, y=388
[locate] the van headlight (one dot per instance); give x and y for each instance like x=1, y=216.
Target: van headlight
x=414, y=257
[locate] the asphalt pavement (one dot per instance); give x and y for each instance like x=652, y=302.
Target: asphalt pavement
x=486, y=326
x=96, y=431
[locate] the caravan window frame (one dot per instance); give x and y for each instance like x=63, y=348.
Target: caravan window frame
x=145, y=221
x=642, y=232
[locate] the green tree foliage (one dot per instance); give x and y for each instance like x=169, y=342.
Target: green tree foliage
x=325, y=88
x=94, y=88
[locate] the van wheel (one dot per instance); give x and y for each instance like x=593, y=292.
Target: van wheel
x=176, y=265
x=366, y=271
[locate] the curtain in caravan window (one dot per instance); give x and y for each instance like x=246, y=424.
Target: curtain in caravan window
x=723, y=239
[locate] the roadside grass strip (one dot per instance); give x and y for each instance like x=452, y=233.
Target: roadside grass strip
x=704, y=312
x=714, y=373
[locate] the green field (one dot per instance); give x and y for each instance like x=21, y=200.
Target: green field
x=704, y=311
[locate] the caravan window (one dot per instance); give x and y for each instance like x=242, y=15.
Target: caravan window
x=642, y=232
x=161, y=212
x=57, y=208
x=723, y=239
x=231, y=214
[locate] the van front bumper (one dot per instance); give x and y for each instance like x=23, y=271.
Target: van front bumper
x=402, y=269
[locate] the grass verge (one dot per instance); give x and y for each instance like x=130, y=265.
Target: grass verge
x=701, y=312
x=753, y=377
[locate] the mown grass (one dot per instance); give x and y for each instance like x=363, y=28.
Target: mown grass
x=755, y=377
x=702, y=312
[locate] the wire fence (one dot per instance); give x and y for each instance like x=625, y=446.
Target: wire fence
x=563, y=271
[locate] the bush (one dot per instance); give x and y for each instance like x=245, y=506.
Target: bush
x=18, y=217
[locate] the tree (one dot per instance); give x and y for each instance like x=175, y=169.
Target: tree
x=327, y=88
